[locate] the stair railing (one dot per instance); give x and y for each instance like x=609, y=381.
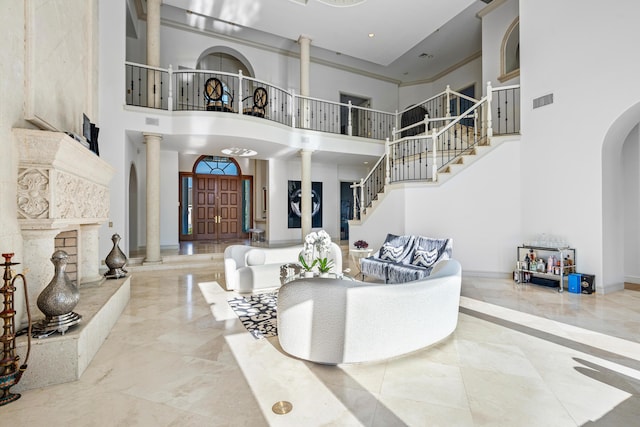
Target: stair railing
x=367, y=190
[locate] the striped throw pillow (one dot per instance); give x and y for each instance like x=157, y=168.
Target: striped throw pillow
x=391, y=253
x=424, y=258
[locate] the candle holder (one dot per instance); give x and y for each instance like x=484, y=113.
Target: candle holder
x=10, y=370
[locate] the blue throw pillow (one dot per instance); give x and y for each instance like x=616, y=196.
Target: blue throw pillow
x=391, y=253
x=424, y=258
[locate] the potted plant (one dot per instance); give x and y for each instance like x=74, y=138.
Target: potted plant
x=324, y=266
x=308, y=268
x=361, y=244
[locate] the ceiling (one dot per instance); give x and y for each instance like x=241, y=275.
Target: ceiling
x=414, y=40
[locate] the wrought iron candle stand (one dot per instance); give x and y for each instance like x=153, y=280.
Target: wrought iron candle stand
x=10, y=370
x=57, y=300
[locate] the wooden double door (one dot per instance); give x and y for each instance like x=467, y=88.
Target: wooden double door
x=217, y=207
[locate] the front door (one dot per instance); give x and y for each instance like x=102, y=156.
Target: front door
x=217, y=207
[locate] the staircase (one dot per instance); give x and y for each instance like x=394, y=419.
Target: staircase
x=441, y=149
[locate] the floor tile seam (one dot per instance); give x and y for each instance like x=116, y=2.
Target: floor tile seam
x=631, y=362
x=551, y=326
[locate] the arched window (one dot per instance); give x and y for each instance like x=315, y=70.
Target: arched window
x=510, y=53
x=216, y=165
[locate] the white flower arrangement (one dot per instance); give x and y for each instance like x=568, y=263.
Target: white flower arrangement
x=316, y=244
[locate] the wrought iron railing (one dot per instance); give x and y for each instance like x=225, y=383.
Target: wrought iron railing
x=367, y=190
x=147, y=86
x=204, y=90
x=506, y=110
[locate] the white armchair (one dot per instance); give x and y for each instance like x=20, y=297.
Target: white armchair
x=248, y=268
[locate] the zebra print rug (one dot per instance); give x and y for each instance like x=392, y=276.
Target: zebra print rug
x=257, y=313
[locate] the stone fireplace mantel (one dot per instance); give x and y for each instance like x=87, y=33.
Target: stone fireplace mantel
x=61, y=186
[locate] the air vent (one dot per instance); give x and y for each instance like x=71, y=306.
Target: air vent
x=152, y=121
x=543, y=100
x=425, y=55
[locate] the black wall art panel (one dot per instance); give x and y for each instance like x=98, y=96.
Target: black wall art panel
x=293, y=209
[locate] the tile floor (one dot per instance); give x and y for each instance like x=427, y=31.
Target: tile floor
x=521, y=356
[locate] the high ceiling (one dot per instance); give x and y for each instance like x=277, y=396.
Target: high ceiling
x=413, y=40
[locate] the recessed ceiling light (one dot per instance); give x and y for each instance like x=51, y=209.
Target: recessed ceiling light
x=238, y=152
x=371, y=35
x=366, y=163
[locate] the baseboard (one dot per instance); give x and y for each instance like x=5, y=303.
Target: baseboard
x=632, y=279
x=607, y=289
x=487, y=274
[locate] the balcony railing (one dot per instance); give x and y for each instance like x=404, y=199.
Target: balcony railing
x=420, y=140
x=204, y=90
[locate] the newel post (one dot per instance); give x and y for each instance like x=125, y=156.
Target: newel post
x=387, y=169
x=350, y=121
x=170, y=99
x=240, y=92
x=434, y=170
x=293, y=108
x=489, y=113
x=448, y=94
x=361, y=197
x=355, y=200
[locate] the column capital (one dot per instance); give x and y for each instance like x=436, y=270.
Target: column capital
x=303, y=38
x=151, y=135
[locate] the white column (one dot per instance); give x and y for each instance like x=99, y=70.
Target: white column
x=305, y=44
x=39, y=245
x=153, y=51
x=153, y=198
x=88, y=246
x=305, y=197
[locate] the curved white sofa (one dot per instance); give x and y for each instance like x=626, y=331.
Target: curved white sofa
x=335, y=321
x=249, y=268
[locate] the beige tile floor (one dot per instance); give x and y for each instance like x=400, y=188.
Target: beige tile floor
x=521, y=356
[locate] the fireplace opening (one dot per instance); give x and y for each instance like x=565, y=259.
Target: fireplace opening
x=68, y=241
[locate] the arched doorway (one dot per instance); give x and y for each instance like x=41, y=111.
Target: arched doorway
x=217, y=199
x=620, y=198
x=133, y=209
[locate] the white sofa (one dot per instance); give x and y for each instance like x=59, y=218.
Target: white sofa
x=334, y=321
x=249, y=268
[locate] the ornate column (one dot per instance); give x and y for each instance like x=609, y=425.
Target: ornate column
x=90, y=260
x=153, y=52
x=153, y=198
x=305, y=196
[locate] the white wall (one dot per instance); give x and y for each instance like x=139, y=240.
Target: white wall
x=494, y=29
x=280, y=172
x=113, y=148
x=169, y=188
x=460, y=78
x=567, y=139
x=479, y=208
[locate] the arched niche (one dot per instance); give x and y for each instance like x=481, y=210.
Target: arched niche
x=510, y=53
x=222, y=58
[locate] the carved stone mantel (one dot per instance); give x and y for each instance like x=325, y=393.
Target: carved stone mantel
x=61, y=185
x=60, y=182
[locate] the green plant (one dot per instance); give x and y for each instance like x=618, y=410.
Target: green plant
x=304, y=264
x=324, y=265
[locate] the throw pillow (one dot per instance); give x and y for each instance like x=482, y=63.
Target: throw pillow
x=391, y=253
x=424, y=258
